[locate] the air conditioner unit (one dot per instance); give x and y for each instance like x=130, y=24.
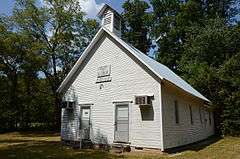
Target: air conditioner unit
x=70, y=105
x=143, y=100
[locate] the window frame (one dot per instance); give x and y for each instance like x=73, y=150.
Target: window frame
x=191, y=114
x=176, y=110
x=200, y=115
x=210, y=118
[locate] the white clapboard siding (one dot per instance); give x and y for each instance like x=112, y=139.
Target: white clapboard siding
x=183, y=133
x=70, y=124
x=128, y=80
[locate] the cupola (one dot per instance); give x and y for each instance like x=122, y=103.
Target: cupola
x=110, y=19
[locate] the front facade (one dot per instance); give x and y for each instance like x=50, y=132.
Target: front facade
x=102, y=89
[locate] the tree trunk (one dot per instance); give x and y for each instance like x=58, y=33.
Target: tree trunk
x=13, y=100
x=57, y=112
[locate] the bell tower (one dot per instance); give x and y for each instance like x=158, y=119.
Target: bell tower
x=110, y=19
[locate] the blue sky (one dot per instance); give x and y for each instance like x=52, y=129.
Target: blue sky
x=91, y=7
x=6, y=6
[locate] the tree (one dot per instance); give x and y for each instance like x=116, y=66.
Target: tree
x=208, y=64
x=197, y=40
x=166, y=31
x=63, y=33
x=172, y=20
x=18, y=59
x=230, y=93
x=137, y=24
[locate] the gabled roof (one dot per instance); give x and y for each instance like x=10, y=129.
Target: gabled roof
x=104, y=8
x=160, y=70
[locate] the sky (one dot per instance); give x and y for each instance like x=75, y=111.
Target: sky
x=90, y=7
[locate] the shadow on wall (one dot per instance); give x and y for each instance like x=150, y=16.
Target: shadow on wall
x=68, y=130
x=147, y=112
x=70, y=116
x=197, y=146
x=101, y=140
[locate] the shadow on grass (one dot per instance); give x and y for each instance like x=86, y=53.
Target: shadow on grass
x=32, y=134
x=48, y=149
x=38, y=134
x=9, y=141
x=197, y=146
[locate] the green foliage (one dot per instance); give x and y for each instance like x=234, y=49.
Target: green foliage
x=166, y=30
x=19, y=64
x=174, y=18
x=137, y=24
x=209, y=63
x=230, y=93
x=60, y=27
x=199, y=41
x=38, y=46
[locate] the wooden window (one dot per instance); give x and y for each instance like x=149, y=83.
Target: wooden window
x=191, y=116
x=176, y=112
x=210, y=120
x=200, y=114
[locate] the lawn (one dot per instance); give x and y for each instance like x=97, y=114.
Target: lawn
x=47, y=146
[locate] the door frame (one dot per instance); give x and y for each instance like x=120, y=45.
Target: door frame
x=85, y=106
x=116, y=104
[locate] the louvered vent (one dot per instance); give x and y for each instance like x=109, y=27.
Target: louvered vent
x=107, y=20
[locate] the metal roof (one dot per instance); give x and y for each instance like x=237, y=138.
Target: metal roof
x=160, y=70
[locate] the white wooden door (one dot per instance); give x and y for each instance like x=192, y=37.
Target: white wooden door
x=85, y=122
x=121, y=123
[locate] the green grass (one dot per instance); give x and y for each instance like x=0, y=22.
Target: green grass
x=47, y=146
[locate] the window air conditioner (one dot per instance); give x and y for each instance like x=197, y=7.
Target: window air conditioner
x=68, y=104
x=143, y=100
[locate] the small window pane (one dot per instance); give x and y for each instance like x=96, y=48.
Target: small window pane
x=200, y=114
x=176, y=112
x=191, y=116
x=210, y=120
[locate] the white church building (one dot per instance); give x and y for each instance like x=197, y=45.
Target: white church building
x=117, y=94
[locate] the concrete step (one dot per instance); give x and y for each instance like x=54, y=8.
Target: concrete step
x=121, y=147
x=87, y=144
